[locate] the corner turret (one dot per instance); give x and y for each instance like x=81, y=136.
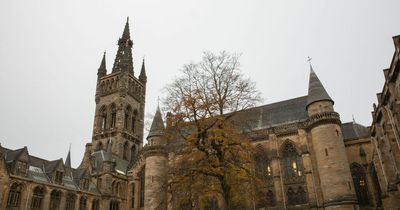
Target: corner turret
x=142, y=76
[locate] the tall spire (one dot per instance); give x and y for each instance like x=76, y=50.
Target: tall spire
x=157, y=126
x=126, y=34
x=142, y=76
x=68, y=159
x=123, y=59
x=102, y=71
x=316, y=91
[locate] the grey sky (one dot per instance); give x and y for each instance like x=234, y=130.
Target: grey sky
x=50, y=51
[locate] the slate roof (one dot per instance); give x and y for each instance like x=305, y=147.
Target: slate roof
x=352, y=130
x=40, y=169
x=316, y=91
x=121, y=165
x=157, y=126
x=270, y=115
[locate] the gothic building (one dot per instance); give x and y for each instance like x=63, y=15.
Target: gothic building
x=309, y=158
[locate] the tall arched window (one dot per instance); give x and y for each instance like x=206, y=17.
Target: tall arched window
x=141, y=176
x=55, y=198
x=211, y=204
x=133, y=152
x=113, y=116
x=114, y=205
x=263, y=164
x=291, y=162
x=133, y=121
x=128, y=113
x=133, y=196
x=360, y=184
x=100, y=146
x=37, y=197
x=270, y=200
x=14, y=196
x=95, y=204
x=70, y=202
x=125, y=151
x=82, y=203
x=103, y=115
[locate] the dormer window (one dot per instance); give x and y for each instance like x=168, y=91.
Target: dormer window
x=59, y=177
x=21, y=168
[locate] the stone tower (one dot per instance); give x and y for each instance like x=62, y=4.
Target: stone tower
x=120, y=101
x=327, y=140
x=156, y=166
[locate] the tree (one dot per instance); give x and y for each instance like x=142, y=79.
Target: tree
x=215, y=168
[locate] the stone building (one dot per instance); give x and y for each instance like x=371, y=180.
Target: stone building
x=311, y=160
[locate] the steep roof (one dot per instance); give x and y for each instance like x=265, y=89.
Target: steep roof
x=352, y=130
x=270, y=115
x=316, y=91
x=157, y=126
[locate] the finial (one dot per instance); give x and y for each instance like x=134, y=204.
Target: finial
x=354, y=120
x=158, y=102
x=127, y=19
x=309, y=62
x=70, y=146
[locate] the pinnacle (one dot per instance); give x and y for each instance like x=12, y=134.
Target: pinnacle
x=142, y=76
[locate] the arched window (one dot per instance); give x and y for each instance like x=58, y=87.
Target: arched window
x=296, y=197
x=125, y=151
x=100, y=146
x=132, y=196
x=263, y=164
x=270, y=200
x=133, y=152
x=55, y=198
x=128, y=113
x=291, y=162
x=37, y=197
x=70, y=202
x=95, y=204
x=141, y=176
x=113, y=116
x=301, y=195
x=360, y=184
x=211, y=204
x=114, y=205
x=82, y=203
x=133, y=121
x=14, y=196
x=103, y=115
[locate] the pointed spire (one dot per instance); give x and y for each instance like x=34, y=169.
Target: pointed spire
x=123, y=59
x=108, y=155
x=142, y=76
x=68, y=159
x=102, y=71
x=316, y=91
x=126, y=34
x=157, y=126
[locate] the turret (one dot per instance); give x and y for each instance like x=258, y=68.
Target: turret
x=330, y=154
x=156, y=165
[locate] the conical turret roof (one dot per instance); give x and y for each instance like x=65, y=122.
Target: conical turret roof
x=157, y=127
x=316, y=91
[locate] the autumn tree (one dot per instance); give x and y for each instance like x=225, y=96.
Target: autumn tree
x=215, y=168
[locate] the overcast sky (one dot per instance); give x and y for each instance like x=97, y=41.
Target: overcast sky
x=50, y=51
